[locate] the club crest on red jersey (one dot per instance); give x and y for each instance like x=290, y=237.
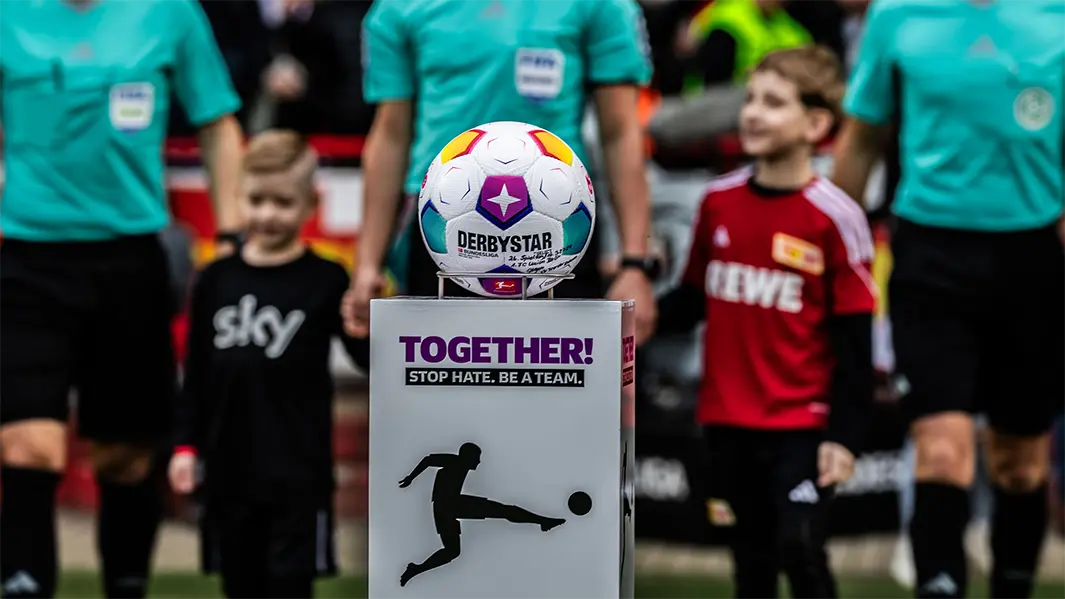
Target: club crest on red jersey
x=798, y=254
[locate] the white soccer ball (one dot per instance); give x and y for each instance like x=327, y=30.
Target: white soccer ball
x=506, y=198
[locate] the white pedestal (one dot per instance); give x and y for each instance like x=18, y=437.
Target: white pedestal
x=543, y=388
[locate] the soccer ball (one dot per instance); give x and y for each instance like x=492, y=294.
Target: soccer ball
x=506, y=198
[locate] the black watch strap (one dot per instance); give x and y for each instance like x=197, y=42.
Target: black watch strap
x=649, y=266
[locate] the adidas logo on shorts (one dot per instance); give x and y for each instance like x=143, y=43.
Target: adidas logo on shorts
x=806, y=492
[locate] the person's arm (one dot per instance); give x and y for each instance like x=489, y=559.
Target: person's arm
x=869, y=104
x=433, y=460
x=681, y=309
x=191, y=412
x=384, y=163
x=388, y=81
x=685, y=305
x=358, y=349
x=221, y=144
x=856, y=152
x=852, y=292
x=203, y=87
x=189, y=436
x=622, y=140
x=851, y=337
x=619, y=62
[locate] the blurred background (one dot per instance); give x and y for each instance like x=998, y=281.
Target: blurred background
x=301, y=69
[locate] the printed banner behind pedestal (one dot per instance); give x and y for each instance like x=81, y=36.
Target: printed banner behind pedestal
x=500, y=440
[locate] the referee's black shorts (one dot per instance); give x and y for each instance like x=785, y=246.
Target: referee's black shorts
x=95, y=316
x=978, y=321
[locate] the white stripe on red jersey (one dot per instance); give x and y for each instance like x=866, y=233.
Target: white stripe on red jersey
x=730, y=180
x=849, y=218
x=852, y=224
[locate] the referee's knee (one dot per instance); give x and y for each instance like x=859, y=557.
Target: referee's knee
x=1018, y=464
x=121, y=463
x=944, y=450
x=38, y=444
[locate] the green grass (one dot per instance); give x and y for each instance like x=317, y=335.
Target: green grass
x=864, y=588
x=182, y=585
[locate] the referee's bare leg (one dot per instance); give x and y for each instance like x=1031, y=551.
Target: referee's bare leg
x=131, y=508
x=34, y=455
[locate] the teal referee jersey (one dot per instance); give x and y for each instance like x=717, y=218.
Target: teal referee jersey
x=84, y=101
x=468, y=62
x=979, y=87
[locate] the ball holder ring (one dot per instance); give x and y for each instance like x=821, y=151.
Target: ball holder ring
x=442, y=276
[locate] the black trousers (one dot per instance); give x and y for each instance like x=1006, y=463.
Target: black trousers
x=769, y=480
x=268, y=546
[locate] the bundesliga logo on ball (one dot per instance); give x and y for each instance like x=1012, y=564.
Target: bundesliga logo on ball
x=506, y=198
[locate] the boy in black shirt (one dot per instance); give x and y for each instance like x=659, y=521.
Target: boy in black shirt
x=256, y=408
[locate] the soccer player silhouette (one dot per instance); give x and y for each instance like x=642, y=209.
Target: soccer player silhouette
x=450, y=506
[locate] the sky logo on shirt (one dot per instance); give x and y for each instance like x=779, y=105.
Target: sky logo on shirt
x=237, y=326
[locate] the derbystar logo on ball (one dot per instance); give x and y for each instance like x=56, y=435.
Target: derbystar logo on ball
x=506, y=198
x=493, y=244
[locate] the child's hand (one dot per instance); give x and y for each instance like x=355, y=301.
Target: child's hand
x=366, y=285
x=183, y=473
x=835, y=464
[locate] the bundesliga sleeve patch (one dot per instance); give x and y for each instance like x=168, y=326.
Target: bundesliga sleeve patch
x=798, y=254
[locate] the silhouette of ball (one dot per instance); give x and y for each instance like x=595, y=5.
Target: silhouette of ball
x=580, y=503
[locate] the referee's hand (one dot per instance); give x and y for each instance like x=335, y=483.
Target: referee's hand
x=835, y=464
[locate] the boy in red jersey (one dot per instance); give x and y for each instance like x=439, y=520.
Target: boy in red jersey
x=779, y=270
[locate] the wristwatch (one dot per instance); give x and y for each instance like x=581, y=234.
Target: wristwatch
x=648, y=265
